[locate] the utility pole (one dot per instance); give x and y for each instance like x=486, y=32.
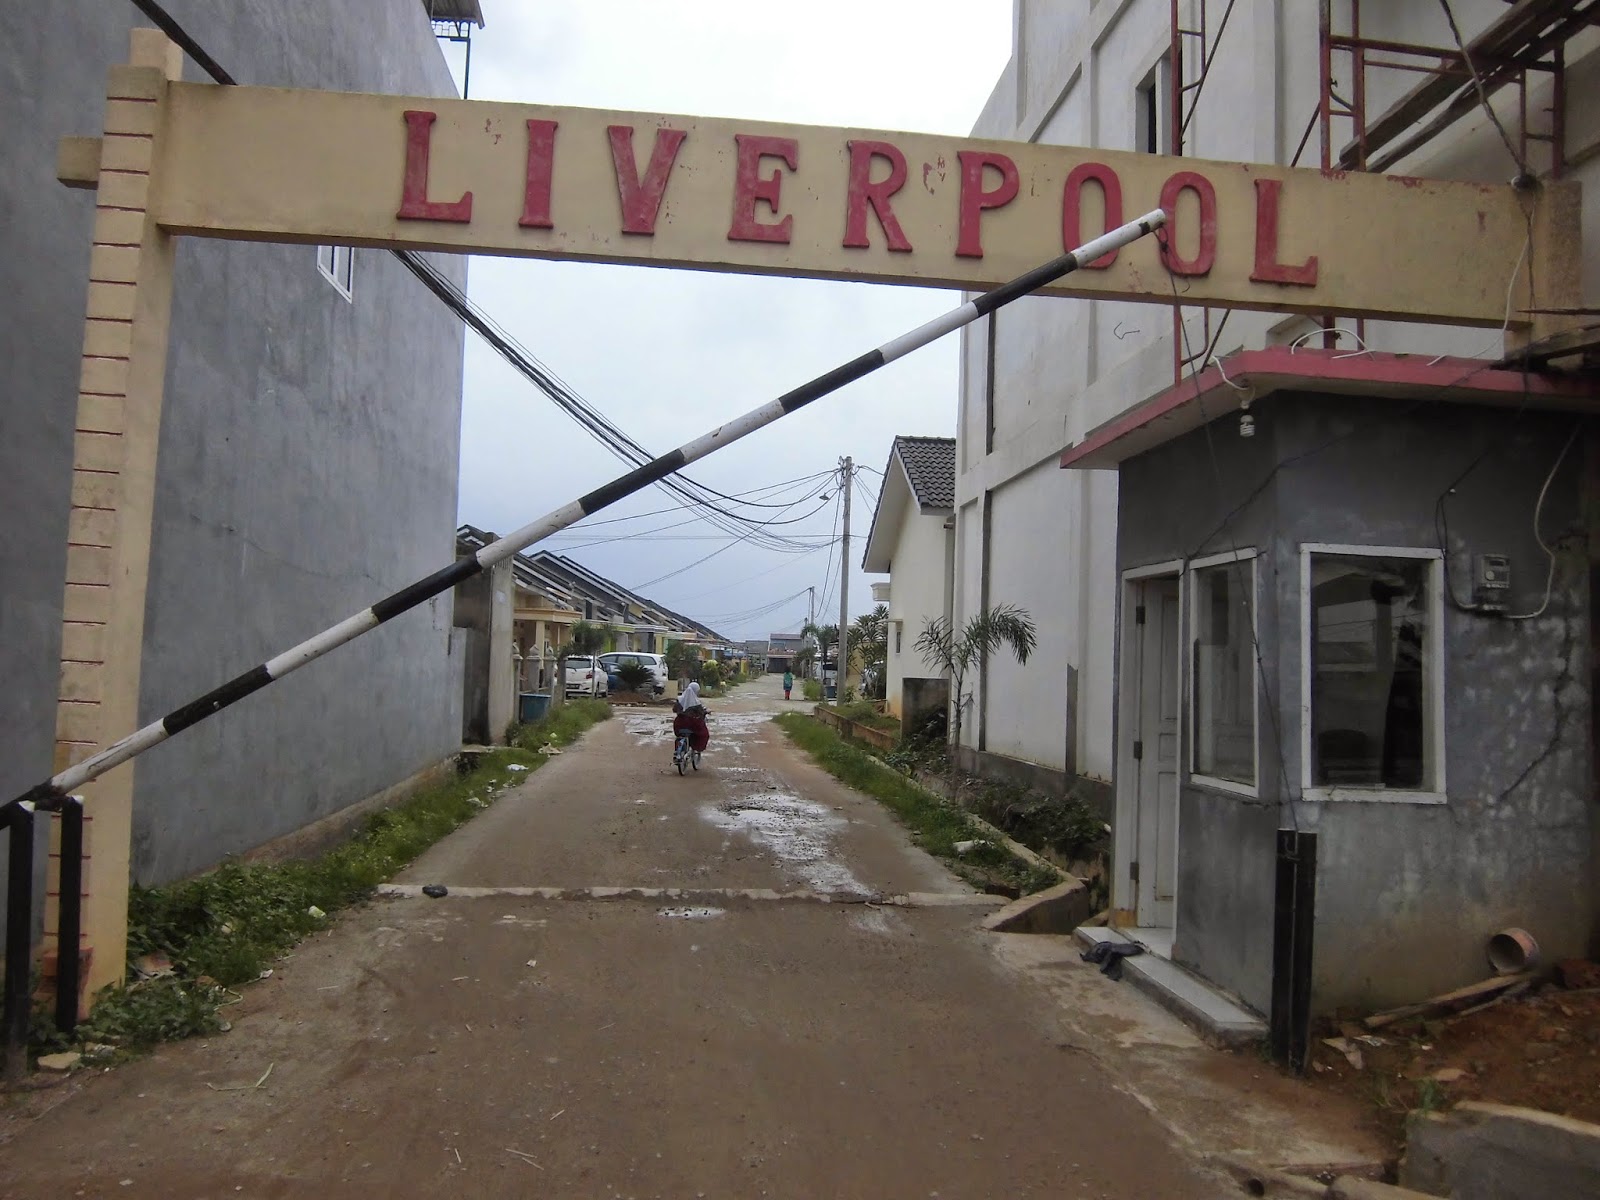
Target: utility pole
x=811, y=606
x=848, y=468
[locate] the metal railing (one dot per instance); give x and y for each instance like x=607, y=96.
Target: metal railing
x=21, y=824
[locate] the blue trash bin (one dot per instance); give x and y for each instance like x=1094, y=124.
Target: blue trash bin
x=532, y=706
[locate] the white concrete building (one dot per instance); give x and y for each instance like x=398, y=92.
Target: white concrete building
x=1039, y=375
x=912, y=540
x=1228, y=721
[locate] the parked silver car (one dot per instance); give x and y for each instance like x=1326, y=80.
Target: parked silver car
x=585, y=676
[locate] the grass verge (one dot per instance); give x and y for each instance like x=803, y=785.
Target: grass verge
x=204, y=937
x=934, y=824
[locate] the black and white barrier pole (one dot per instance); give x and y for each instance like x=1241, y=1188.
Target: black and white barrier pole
x=54, y=790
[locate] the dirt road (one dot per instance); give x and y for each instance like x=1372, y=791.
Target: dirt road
x=504, y=1045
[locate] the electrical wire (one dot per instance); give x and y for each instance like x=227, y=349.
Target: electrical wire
x=751, y=614
x=653, y=534
x=833, y=543
x=1288, y=797
x=761, y=574
x=1538, y=508
x=619, y=443
x=766, y=491
x=685, y=489
x=1483, y=92
x=721, y=550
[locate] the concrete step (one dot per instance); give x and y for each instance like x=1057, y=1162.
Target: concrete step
x=1213, y=1014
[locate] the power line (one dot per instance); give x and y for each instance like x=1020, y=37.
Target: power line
x=752, y=613
x=1483, y=92
x=600, y=427
x=827, y=587
x=763, y=574
x=722, y=550
x=652, y=534
x=766, y=491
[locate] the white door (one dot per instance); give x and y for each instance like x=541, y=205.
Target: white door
x=1155, y=750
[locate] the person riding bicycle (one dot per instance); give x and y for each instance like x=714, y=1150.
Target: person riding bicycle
x=689, y=716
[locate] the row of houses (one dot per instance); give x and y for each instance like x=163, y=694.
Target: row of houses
x=1312, y=603
x=517, y=618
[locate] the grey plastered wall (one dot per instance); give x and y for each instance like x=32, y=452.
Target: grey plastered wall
x=1171, y=505
x=1407, y=893
x=308, y=462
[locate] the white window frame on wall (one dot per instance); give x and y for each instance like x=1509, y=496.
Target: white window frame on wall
x=1433, y=732
x=329, y=259
x=1196, y=565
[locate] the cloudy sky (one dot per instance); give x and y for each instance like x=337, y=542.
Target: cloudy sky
x=668, y=354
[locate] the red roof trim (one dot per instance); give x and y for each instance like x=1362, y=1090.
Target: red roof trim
x=1178, y=409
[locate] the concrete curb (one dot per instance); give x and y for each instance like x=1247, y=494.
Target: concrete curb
x=1484, y=1151
x=1017, y=848
x=1275, y=1182
x=412, y=891
x=1347, y=1187
x=1059, y=909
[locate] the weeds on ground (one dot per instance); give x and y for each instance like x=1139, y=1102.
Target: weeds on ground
x=935, y=824
x=1067, y=825
x=220, y=931
x=865, y=712
x=560, y=726
x=811, y=689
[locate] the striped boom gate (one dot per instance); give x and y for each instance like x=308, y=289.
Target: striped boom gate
x=53, y=792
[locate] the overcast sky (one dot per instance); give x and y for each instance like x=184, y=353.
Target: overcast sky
x=668, y=354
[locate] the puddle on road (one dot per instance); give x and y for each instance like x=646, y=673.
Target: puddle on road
x=650, y=730
x=729, y=730
x=797, y=832
x=738, y=724
x=702, y=913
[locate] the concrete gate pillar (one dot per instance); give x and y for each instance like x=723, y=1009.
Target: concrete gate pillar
x=113, y=479
x=502, y=637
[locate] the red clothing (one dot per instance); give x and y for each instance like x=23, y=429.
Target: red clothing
x=699, y=732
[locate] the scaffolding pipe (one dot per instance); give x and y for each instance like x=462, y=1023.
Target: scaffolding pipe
x=52, y=793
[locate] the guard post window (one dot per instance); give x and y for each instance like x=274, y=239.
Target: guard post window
x=338, y=263
x=1373, y=670
x=1223, y=699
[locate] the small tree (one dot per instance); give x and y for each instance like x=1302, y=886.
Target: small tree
x=683, y=660
x=825, y=637
x=956, y=652
x=585, y=638
x=869, y=643
x=801, y=660
x=636, y=677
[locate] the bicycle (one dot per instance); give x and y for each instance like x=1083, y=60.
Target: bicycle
x=684, y=753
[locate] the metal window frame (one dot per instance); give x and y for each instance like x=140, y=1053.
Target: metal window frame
x=329, y=269
x=1250, y=555
x=1433, y=731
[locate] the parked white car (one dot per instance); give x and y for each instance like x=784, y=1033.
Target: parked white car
x=585, y=676
x=656, y=662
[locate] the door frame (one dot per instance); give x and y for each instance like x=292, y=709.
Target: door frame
x=1125, y=827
